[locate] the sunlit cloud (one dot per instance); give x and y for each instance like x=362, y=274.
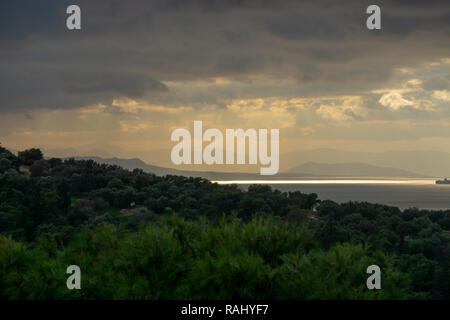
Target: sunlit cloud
x=442, y=95
x=414, y=83
x=395, y=101
x=132, y=127
x=348, y=109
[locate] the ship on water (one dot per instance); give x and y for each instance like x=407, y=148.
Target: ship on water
x=445, y=181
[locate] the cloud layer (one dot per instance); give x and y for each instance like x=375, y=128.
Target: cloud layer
x=139, y=68
x=132, y=48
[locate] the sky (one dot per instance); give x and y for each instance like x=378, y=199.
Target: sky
x=137, y=70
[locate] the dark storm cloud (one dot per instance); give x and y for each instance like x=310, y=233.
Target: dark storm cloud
x=35, y=87
x=18, y=19
x=130, y=48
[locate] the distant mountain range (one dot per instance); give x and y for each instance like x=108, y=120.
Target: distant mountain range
x=427, y=163
x=352, y=170
x=416, y=162
x=309, y=169
x=139, y=164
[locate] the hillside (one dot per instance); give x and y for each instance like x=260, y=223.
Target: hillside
x=166, y=234
x=134, y=163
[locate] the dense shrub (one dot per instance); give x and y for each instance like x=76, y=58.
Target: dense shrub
x=175, y=259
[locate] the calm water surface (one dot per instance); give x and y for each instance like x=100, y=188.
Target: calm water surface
x=403, y=193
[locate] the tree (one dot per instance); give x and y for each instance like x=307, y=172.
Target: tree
x=5, y=164
x=29, y=156
x=54, y=162
x=115, y=183
x=39, y=168
x=6, y=154
x=63, y=192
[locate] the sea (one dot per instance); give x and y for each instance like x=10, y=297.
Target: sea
x=402, y=193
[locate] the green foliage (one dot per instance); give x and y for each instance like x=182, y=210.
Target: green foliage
x=421, y=270
x=119, y=226
x=28, y=157
x=39, y=168
x=338, y=273
x=176, y=259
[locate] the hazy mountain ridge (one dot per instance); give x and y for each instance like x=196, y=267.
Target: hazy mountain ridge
x=134, y=163
x=427, y=163
x=310, y=169
x=353, y=170
x=418, y=162
x=131, y=164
